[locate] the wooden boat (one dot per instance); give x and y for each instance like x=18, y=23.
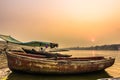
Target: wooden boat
x=30, y=63
x=44, y=53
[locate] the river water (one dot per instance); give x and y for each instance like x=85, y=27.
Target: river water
x=113, y=71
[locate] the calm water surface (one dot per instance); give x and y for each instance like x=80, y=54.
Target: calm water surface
x=113, y=71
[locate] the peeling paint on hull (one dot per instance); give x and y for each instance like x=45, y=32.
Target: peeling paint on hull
x=32, y=64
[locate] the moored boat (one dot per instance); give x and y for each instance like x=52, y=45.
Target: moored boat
x=30, y=63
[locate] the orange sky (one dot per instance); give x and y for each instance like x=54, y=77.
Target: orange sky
x=67, y=22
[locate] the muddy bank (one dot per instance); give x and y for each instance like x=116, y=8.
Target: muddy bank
x=4, y=70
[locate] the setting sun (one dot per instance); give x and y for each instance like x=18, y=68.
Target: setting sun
x=92, y=40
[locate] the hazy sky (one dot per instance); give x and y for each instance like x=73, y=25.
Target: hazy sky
x=67, y=22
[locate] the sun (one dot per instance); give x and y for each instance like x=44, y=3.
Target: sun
x=92, y=39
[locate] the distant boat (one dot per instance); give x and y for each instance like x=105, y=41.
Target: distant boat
x=30, y=63
x=59, y=50
x=44, y=53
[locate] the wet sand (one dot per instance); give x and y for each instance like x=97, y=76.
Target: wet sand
x=4, y=70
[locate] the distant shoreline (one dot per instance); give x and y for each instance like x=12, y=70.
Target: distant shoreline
x=102, y=47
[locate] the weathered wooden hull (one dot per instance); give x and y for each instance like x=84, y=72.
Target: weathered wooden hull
x=36, y=64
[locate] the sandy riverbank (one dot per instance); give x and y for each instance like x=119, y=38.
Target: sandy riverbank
x=4, y=73
x=4, y=70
